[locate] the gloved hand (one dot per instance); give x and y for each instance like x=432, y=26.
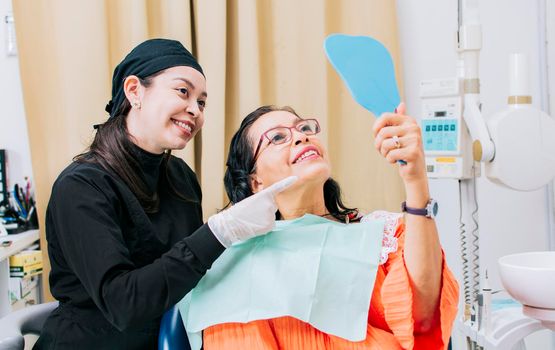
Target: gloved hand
x=253, y=216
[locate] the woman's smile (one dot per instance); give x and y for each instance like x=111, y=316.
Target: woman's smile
x=184, y=126
x=306, y=154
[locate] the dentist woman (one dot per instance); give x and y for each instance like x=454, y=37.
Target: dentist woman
x=126, y=239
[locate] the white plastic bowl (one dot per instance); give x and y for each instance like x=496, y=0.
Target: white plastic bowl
x=530, y=278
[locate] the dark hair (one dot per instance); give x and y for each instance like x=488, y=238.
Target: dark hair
x=237, y=177
x=113, y=150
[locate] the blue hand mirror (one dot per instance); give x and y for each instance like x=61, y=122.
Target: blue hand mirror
x=367, y=69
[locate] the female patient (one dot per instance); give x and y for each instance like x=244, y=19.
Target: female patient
x=415, y=295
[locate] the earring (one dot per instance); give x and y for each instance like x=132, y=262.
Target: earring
x=136, y=104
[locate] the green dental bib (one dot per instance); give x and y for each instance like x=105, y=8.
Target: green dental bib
x=316, y=270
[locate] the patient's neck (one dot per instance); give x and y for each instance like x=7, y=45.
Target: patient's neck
x=306, y=200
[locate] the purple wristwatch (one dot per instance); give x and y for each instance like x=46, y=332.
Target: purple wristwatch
x=430, y=211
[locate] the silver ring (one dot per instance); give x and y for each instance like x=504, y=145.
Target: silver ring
x=395, y=139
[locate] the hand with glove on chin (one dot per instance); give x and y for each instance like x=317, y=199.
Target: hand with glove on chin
x=251, y=217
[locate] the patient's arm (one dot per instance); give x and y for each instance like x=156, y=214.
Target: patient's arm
x=398, y=137
x=423, y=259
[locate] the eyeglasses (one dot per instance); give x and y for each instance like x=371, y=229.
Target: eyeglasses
x=283, y=134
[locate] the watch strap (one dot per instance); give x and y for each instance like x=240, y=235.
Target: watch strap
x=414, y=211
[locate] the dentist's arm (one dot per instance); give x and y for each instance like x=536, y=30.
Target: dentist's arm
x=422, y=253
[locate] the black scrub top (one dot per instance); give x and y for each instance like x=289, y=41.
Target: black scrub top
x=115, y=268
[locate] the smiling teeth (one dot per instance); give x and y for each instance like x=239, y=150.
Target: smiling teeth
x=183, y=125
x=305, y=155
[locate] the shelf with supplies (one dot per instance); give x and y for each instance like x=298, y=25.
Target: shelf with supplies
x=13, y=244
x=18, y=292
x=21, y=260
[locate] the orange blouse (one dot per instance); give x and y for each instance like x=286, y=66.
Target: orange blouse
x=390, y=321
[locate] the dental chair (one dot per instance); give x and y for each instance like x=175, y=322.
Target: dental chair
x=172, y=334
x=30, y=320
x=25, y=321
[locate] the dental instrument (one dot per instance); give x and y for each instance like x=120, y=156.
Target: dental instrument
x=486, y=306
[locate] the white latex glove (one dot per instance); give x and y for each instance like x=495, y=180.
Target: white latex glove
x=253, y=216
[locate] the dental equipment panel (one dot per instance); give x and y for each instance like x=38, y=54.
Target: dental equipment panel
x=444, y=133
